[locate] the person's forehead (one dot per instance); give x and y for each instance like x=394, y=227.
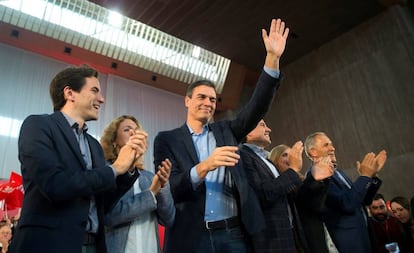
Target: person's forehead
x=287, y=150
x=91, y=82
x=378, y=202
x=205, y=90
x=322, y=139
x=396, y=205
x=128, y=122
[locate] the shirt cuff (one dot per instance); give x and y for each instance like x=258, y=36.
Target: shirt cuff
x=195, y=179
x=153, y=197
x=275, y=73
x=130, y=173
x=113, y=170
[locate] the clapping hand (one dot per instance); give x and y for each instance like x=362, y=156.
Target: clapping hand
x=322, y=168
x=161, y=177
x=372, y=164
x=295, y=156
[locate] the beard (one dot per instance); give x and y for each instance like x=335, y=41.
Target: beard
x=380, y=217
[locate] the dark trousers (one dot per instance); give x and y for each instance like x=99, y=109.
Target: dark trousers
x=227, y=240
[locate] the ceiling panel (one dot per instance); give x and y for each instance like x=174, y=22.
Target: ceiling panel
x=232, y=28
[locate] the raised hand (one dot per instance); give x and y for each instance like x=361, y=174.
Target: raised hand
x=221, y=156
x=138, y=140
x=367, y=167
x=322, y=168
x=131, y=152
x=380, y=160
x=125, y=160
x=295, y=156
x=275, y=42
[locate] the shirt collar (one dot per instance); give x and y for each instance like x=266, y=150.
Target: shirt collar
x=74, y=125
x=258, y=150
x=206, y=128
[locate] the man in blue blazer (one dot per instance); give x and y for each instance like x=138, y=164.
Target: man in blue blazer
x=68, y=184
x=344, y=211
x=215, y=206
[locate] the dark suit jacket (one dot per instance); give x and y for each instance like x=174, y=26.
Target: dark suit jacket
x=178, y=146
x=344, y=212
x=58, y=187
x=275, y=194
x=310, y=201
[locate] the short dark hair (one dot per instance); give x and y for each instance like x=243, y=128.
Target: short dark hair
x=195, y=84
x=378, y=196
x=74, y=77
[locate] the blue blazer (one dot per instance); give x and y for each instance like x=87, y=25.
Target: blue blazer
x=58, y=187
x=344, y=212
x=131, y=206
x=275, y=195
x=177, y=145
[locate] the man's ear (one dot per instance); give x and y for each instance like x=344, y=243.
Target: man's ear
x=68, y=94
x=187, y=100
x=312, y=152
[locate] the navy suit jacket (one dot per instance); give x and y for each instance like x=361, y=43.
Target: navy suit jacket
x=178, y=146
x=58, y=187
x=275, y=195
x=344, y=212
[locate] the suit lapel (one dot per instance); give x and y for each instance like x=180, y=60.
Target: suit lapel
x=345, y=184
x=67, y=131
x=217, y=134
x=188, y=143
x=263, y=166
x=92, y=148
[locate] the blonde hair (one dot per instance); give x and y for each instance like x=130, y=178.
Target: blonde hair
x=277, y=152
x=109, y=136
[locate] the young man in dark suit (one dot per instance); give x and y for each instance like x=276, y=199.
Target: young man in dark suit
x=216, y=210
x=67, y=181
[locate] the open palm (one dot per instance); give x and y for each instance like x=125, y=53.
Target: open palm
x=275, y=41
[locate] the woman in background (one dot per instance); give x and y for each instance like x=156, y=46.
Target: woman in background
x=400, y=208
x=132, y=225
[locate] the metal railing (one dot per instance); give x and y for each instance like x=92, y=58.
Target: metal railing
x=94, y=28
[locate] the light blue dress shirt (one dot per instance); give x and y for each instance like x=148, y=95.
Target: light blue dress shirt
x=220, y=203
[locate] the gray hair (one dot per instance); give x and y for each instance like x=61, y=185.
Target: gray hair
x=310, y=142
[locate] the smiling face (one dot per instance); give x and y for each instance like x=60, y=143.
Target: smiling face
x=260, y=136
x=89, y=99
x=201, y=104
x=83, y=105
x=322, y=147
